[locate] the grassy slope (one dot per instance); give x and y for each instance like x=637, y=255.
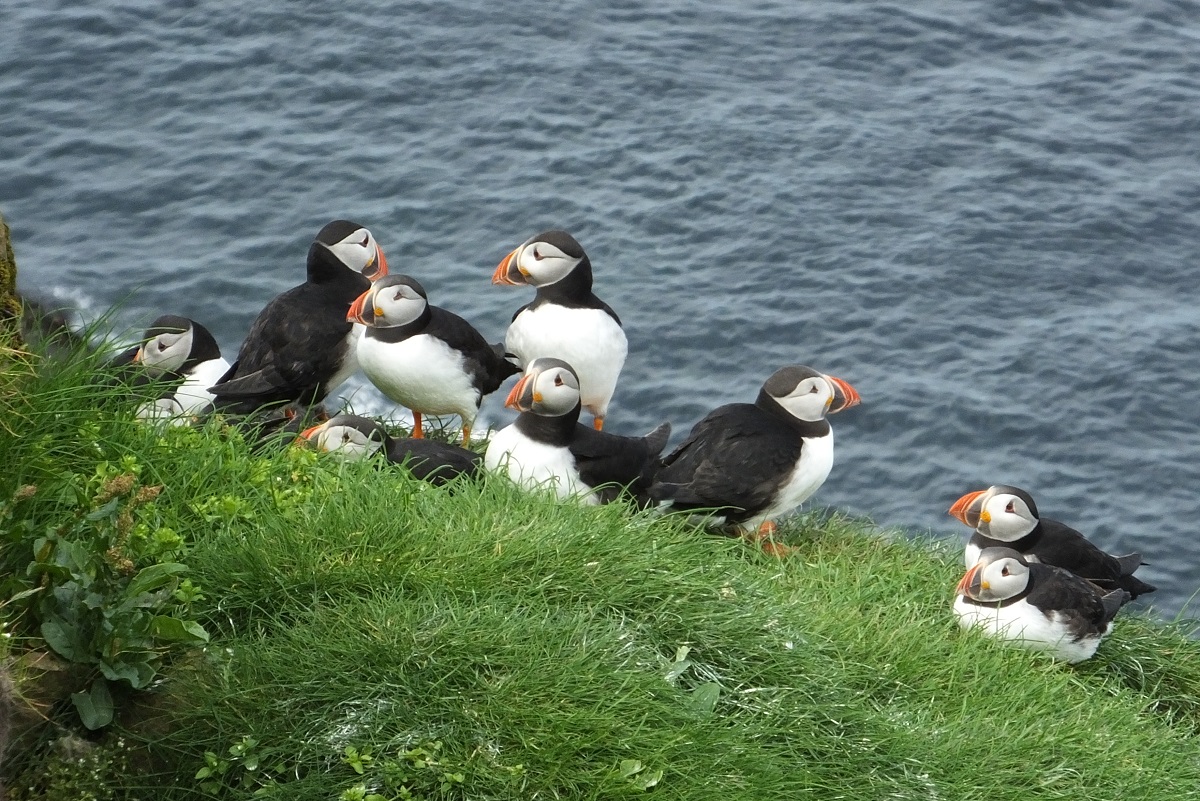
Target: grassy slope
x=551, y=649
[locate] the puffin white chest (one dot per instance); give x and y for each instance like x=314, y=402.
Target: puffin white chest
x=349, y=362
x=421, y=372
x=589, y=340
x=193, y=395
x=810, y=472
x=536, y=465
x=1025, y=624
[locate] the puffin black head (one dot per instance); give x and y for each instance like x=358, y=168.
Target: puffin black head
x=391, y=302
x=343, y=246
x=1000, y=512
x=542, y=260
x=348, y=435
x=806, y=394
x=998, y=574
x=204, y=347
x=549, y=388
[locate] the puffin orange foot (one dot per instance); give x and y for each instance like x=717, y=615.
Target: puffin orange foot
x=764, y=538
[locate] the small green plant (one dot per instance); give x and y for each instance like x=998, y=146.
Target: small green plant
x=638, y=777
x=356, y=759
x=74, y=770
x=243, y=765
x=414, y=774
x=95, y=592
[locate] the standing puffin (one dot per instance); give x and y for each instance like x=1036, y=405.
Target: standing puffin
x=1038, y=606
x=565, y=320
x=1005, y=516
x=753, y=462
x=548, y=447
x=301, y=347
x=353, y=437
x=424, y=357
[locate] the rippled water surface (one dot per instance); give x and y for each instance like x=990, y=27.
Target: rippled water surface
x=984, y=215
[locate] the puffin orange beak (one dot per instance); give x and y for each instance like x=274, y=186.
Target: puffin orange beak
x=377, y=268
x=137, y=357
x=307, y=434
x=513, y=401
x=844, y=395
x=505, y=271
x=355, y=314
x=968, y=584
x=522, y=397
x=968, y=507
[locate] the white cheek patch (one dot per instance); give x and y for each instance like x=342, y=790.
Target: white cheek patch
x=403, y=310
x=559, y=399
x=353, y=254
x=808, y=406
x=172, y=356
x=549, y=270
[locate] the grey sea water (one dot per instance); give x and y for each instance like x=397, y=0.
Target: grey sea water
x=984, y=215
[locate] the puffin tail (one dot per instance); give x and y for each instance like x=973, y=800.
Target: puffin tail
x=1134, y=586
x=1129, y=563
x=1113, y=601
x=511, y=365
x=656, y=440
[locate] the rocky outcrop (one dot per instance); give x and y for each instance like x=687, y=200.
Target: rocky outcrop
x=10, y=303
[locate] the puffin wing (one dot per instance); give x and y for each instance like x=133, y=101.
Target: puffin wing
x=264, y=381
x=1064, y=546
x=1071, y=600
x=731, y=459
x=433, y=461
x=278, y=360
x=484, y=362
x=604, y=458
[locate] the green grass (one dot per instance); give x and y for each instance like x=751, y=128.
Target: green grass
x=486, y=644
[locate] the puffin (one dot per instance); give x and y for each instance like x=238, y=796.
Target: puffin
x=565, y=320
x=301, y=347
x=547, y=446
x=753, y=462
x=185, y=348
x=424, y=357
x=354, y=437
x=1037, y=606
x=1006, y=516
x=183, y=356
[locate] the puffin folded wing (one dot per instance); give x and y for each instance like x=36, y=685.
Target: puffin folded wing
x=265, y=381
x=612, y=461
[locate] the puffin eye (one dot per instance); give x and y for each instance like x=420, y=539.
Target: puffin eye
x=558, y=382
x=1011, y=508
x=345, y=436
x=813, y=390
x=537, y=255
x=366, y=240
x=1004, y=572
x=162, y=345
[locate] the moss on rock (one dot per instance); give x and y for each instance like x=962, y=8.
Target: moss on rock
x=10, y=304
